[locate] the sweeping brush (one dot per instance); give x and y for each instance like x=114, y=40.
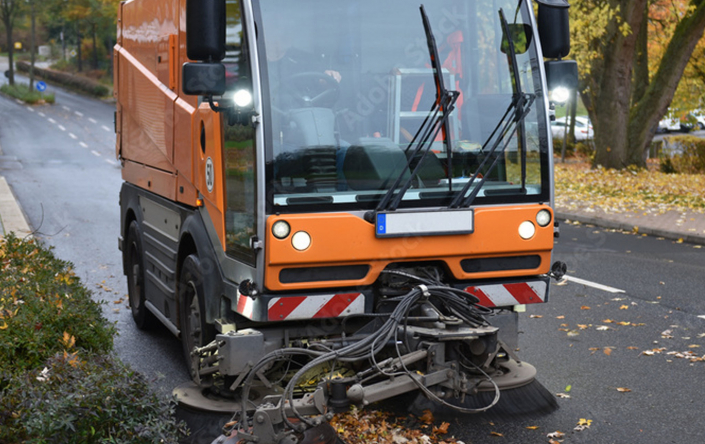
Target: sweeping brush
x=527, y=400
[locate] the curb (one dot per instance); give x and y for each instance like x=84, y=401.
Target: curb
x=617, y=225
x=11, y=215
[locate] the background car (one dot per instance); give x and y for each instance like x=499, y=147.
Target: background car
x=583, y=128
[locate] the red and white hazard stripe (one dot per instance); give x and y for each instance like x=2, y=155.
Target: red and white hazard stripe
x=245, y=305
x=312, y=307
x=502, y=295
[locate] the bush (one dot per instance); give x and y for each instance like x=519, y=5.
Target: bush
x=44, y=309
x=21, y=91
x=69, y=80
x=686, y=156
x=88, y=398
x=57, y=382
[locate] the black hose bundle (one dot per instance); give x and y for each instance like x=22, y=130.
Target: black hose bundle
x=456, y=302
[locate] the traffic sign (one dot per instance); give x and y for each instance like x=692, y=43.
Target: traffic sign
x=41, y=86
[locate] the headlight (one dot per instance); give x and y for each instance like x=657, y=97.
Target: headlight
x=301, y=240
x=527, y=230
x=242, y=98
x=560, y=95
x=281, y=229
x=543, y=218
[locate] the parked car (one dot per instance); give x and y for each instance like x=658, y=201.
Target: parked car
x=684, y=124
x=699, y=116
x=583, y=128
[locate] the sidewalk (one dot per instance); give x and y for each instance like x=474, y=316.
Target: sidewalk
x=676, y=225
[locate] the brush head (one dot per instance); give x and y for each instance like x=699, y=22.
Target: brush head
x=528, y=400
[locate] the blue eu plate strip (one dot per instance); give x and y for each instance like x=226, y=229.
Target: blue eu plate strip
x=381, y=223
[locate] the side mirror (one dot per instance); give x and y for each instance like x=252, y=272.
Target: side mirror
x=205, y=42
x=554, y=28
x=521, y=37
x=205, y=30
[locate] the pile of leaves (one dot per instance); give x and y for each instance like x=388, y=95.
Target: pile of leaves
x=366, y=426
x=644, y=191
x=688, y=156
x=58, y=382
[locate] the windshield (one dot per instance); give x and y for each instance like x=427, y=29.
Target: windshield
x=350, y=84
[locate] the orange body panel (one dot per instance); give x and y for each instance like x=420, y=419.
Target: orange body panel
x=345, y=239
x=158, y=131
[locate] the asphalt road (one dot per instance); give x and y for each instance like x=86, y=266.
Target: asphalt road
x=60, y=162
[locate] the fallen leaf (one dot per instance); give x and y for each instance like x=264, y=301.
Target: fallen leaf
x=496, y=434
x=623, y=389
x=607, y=351
x=602, y=328
x=582, y=326
x=563, y=395
x=560, y=317
x=568, y=387
x=556, y=434
x=585, y=307
x=608, y=321
x=535, y=316
x=631, y=347
x=532, y=427
x=427, y=417
x=624, y=323
x=624, y=307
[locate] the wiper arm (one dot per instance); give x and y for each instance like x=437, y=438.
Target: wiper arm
x=431, y=126
x=519, y=108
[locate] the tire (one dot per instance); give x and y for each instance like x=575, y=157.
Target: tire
x=195, y=332
x=144, y=319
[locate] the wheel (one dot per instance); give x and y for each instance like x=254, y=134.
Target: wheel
x=195, y=332
x=144, y=319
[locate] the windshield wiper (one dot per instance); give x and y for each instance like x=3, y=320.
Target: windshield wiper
x=518, y=108
x=435, y=122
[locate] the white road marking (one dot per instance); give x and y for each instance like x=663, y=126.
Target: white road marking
x=62, y=128
x=111, y=161
x=83, y=144
x=92, y=120
x=73, y=136
x=66, y=108
x=78, y=113
x=30, y=109
x=41, y=114
x=105, y=128
x=52, y=120
x=95, y=153
x=594, y=285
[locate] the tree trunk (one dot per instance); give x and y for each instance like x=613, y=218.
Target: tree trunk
x=80, y=56
x=32, y=49
x=612, y=99
x=10, y=54
x=95, y=49
x=657, y=97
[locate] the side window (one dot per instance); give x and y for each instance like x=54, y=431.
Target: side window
x=239, y=145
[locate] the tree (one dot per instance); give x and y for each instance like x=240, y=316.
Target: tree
x=625, y=101
x=9, y=11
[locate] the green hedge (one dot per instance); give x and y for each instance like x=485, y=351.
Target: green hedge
x=21, y=91
x=688, y=156
x=69, y=80
x=44, y=308
x=58, y=381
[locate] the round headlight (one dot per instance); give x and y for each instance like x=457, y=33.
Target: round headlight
x=242, y=98
x=281, y=229
x=560, y=94
x=301, y=240
x=527, y=230
x=543, y=218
